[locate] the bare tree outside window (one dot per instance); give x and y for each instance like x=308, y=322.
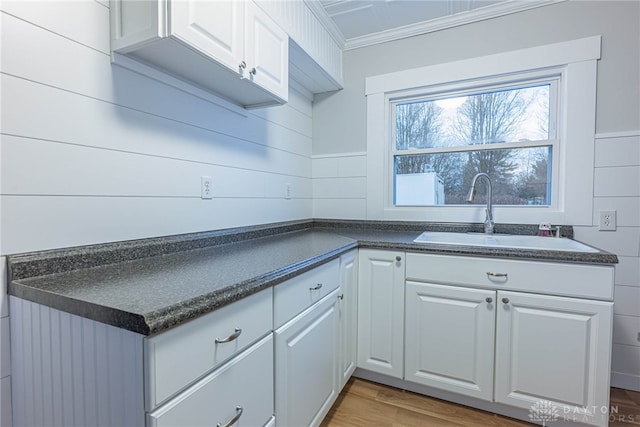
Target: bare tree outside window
x=457, y=139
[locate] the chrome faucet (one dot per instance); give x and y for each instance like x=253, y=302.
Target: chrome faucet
x=488, y=222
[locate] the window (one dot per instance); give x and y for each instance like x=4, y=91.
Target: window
x=439, y=142
x=541, y=157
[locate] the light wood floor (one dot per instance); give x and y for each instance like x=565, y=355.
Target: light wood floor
x=366, y=404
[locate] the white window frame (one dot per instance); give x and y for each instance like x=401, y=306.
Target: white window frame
x=573, y=157
x=551, y=77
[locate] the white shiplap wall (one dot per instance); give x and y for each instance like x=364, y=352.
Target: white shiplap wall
x=340, y=186
x=617, y=187
x=93, y=153
x=88, y=147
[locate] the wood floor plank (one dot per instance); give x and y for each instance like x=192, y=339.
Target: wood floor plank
x=367, y=404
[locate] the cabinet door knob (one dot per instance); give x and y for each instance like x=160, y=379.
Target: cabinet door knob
x=253, y=71
x=318, y=286
x=230, y=338
x=505, y=300
x=489, y=300
x=233, y=420
x=341, y=296
x=398, y=258
x=242, y=65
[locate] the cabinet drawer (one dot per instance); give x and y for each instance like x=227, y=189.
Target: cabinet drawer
x=577, y=280
x=180, y=356
x=295, y=295
x=242, y=387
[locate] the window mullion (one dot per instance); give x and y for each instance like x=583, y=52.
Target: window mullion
x=479, y=147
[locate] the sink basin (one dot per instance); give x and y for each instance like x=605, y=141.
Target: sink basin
x=503, y=241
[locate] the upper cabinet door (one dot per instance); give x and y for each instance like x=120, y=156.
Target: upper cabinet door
x=266, y=52
x=215, y=28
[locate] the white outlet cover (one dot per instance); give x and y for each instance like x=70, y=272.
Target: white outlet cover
x=206, y=187
x=607, y=221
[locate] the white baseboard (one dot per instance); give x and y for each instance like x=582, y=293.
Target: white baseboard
x=625, y=381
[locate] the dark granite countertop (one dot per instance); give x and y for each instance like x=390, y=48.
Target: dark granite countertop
x=153, y=294
x=152, y=285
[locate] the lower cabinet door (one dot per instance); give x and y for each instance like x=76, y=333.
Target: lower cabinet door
x=306, y=365
x=348, y=316
x=240, y=392
x=450, y=338
x=552, y=355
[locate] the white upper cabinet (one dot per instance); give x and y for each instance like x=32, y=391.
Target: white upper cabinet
x=230, y=48
x=213, y=28
x=266, y=52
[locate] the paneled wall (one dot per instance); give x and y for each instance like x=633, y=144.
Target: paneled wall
x=93, y=153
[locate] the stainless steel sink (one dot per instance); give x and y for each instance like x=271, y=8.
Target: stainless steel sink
x=503, y=241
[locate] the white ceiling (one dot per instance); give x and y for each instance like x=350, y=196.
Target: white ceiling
x=366, y=22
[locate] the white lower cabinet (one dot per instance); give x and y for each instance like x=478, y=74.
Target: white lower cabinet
x=238, y=393
x=306, y=370
x=546, y=347
x=381, y=311
x=510, y=336
x=450, y=338
x=348, y=316
x=554, y=348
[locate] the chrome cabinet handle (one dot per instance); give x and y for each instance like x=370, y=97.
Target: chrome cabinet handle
x=398, y=258
x=242, y=65
x=505, y=300
x=341, y=296
x=489, y=300
x=318, y=286
x=233, y=420
x=253, y=71
x=490, y=274
x=230, y=338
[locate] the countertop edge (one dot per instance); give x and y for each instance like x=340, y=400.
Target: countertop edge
x=161, y=320
x=154, y=322
x=158, y=321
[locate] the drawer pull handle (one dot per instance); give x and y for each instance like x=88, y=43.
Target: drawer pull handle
x=341, y=296
x=233, y=420
x=489, y=300
x=230, y=338
x=318, y=286
x=505, y=300
x=490, y=274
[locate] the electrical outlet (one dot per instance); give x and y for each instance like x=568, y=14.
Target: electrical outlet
x=607, y=221
x=288, y=191
x=206, y=187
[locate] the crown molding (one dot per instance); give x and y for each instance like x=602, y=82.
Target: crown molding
x=325, y=20
x=480, y=14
